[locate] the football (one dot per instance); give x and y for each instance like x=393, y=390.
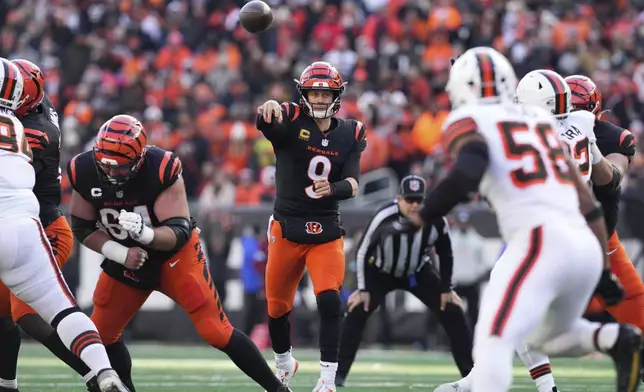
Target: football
x=256, y=16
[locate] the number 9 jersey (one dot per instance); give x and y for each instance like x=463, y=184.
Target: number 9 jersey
x=527, y=182
x=159, y=170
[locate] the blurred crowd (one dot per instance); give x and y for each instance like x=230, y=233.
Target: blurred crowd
x=194, y=78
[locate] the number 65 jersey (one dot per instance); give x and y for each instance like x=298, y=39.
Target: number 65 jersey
x=159, y=170
x=527, y=182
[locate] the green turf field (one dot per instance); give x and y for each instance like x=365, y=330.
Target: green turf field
x=200, y=369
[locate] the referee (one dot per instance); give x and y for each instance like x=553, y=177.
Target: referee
x=393, y=254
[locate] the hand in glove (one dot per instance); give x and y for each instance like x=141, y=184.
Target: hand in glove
x=133, y=223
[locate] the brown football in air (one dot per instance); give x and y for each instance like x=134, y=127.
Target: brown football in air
x=256, y=16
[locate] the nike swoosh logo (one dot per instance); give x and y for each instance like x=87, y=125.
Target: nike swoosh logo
x=172, y=264
x=611, y=252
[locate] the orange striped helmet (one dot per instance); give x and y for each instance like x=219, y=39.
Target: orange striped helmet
x=11, y=85
x=119, y=148
x=33, y=89
x=320, y=76
x=585, y=94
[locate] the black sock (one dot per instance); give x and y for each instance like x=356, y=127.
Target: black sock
x=280, y=331
x=245, y=354
x=330, y=309
x=9, y=348
x=121, y=362
x=38, y=329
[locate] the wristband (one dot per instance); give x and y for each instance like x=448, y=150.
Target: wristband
x=147, y=235
x=115, y=251
x=341, y=190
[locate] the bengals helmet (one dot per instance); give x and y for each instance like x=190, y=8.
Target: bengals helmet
x=320, y=76
x=119, y=149
x=585, y=94
x=11, y=85
x=34, y=83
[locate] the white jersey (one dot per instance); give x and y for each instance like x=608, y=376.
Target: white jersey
x=17, y=176
x=527, y=181
x=577, y=131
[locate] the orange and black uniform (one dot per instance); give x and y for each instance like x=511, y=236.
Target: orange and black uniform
x=614, y=139
x=43, y=135
x=183, y=275
x=305, y=230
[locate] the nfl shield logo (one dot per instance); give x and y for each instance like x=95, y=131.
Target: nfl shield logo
x=325, y=142
x=414, y=185
x=119, y=194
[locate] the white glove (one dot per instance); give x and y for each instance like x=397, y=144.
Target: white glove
x=133, y=223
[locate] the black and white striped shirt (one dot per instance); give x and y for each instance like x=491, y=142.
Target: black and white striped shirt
x=399, y=249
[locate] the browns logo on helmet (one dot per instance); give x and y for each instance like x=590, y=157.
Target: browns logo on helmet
x=34, y=83
x=585, y=94
x=119, y=148
x=11, y=85
x=320, y=76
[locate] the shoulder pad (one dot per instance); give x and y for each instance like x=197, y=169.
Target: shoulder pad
x=456, y=127
x=170, y=168
x=360, y=134
x=38, y=140
x=291, y=111
x=73, y=169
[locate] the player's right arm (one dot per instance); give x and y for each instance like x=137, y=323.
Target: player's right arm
x=85, y=229
x=272, y=118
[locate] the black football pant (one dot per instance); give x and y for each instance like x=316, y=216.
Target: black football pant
x=426, y=289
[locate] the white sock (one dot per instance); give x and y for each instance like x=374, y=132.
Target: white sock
x=88, y=377
x=607, y=336
x=13, y=384
x=539, y=366
x=284, y=360
x=80, y=336
x=579, y=340
x=327, y=371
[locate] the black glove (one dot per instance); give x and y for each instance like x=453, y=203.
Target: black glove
x=609, y=288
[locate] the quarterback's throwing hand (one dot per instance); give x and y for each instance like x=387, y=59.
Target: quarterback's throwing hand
x=269, y=110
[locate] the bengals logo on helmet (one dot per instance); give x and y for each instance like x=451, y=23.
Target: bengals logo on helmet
x=584, y=94
x=313, y=227
x=33, y=89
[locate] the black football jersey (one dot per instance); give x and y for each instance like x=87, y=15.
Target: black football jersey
x=305, y=154
x=44, y=137
x=159, y=170
x=612, y=139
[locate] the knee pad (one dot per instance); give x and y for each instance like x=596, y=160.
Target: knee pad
x=329, y=303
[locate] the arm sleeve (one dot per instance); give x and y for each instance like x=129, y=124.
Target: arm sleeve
x=443, y=247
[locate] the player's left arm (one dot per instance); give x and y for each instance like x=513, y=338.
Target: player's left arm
x=171, y=209
x=443, y=248
x=348, y=186
x=471, y=153
x=619, y=146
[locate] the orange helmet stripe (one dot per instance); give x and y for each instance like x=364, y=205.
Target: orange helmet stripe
x=560, y=92
x=488, y=79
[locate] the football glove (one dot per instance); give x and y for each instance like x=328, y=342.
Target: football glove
x=133, y=223
x=609, y=288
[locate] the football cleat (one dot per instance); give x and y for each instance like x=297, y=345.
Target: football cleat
x=626, y=356
x=286, y=374
x=449, y=387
